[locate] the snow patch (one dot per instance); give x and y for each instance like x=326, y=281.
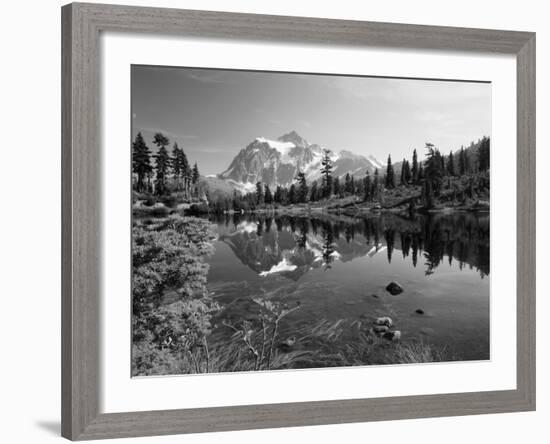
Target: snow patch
x=284, y=265
x=243, y=187
x=282, y=147
x=375, y=161
x=247, y=227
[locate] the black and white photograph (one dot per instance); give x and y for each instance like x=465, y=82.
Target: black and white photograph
x=285, y=221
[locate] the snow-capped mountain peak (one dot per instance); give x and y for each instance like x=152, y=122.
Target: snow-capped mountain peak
x=277, y=162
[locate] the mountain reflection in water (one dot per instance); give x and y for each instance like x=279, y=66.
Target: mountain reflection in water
x=291, y=246
x=337, y=267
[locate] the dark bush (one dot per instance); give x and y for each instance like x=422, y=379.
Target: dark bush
x=170, y=201
x=198, y=208
x=149, y=201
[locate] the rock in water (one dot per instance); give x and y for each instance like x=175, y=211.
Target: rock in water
x=392, y=335
x=290, y=341
x=379, y=329
x=394, y=288
x=384, y=320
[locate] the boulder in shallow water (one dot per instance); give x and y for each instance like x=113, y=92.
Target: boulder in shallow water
x=384, y=320
x=379, y=329
x=392, y=335
x=394, y=288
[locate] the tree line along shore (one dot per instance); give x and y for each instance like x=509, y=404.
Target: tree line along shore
x=165, y=181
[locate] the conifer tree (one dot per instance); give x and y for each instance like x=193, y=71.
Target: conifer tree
x=433, y=174
x=338, y=188
x=390, y=176
x=326, y=173
x=368, y=188
x=175, y=164
x=278, y=196
x=314, y=192
x=302, y=187
x=141, y=162
x=195, y=175
x=407, y=175
x=451, y=164
x=162, y=163
x=375, y=185
x=347, y=184
x=484, y=153
x=268, y=197
x=414, y=169
x=292, y=197
x=359, y=187
x=259, y=193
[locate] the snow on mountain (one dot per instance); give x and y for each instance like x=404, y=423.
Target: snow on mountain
x=277, y=162
x=375, y=161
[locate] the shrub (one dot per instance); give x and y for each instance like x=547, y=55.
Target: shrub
x=149, y=201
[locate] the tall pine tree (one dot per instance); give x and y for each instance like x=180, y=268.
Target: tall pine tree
x=326, y=173
x=451, y=164
x=390, y=175
x=141, y=162
x=302, y=187
x=162, y=163
x=414, y=169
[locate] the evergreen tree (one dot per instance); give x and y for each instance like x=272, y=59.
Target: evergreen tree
x=141, y=161
x=443, y=167
x=348, y=188
x=375, y=185
x=433, y=175
x=326, y=173
x=184, y=170
x=278, y=196
x=390, y=176
x=314, y=192
x=259, y=193
x=359, y=187
x=451, y=164
x=268, y=197
x=463, y=162
x=338, y=189
x=368, y=188
x=407, y=175
x=292, y=195
x=302, y=187
x=162, y=163
x=484, y=154
x=195, y=175
x=175, y=164
x=415, y=169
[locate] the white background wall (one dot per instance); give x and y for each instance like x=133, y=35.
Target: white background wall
x=30, y=220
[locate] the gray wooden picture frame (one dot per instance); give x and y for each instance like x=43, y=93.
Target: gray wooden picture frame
x=81, y=166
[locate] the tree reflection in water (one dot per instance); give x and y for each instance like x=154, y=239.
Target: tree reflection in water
x=461, y=237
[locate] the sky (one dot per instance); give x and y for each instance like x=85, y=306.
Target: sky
x=213, y=114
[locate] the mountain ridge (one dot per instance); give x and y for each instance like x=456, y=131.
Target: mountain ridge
x=277, y=162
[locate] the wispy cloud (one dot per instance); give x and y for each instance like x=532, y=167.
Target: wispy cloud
x=205, y=76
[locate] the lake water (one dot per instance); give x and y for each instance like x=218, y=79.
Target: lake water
x=337, y=267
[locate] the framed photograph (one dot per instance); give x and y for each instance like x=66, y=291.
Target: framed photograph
x=278, y=221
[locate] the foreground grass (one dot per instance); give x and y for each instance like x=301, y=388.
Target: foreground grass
x=326, y=344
